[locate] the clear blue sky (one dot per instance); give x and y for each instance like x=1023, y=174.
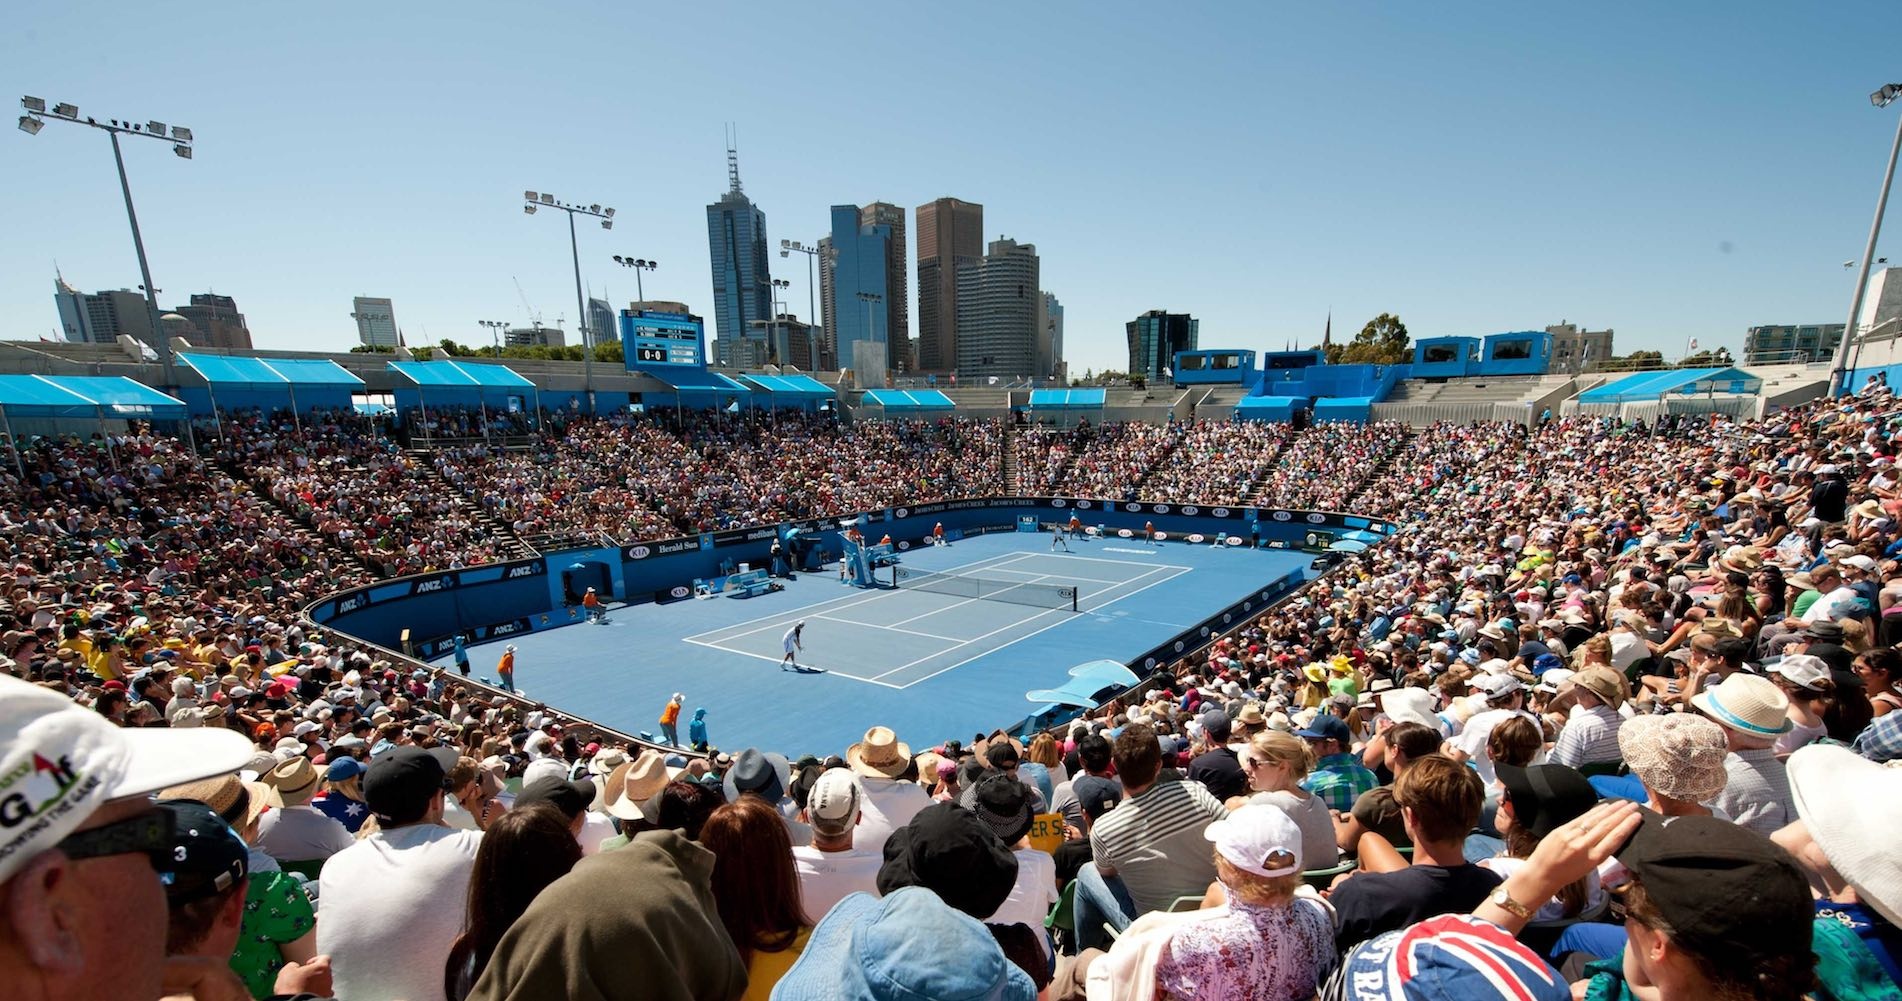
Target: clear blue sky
x=1668, y=170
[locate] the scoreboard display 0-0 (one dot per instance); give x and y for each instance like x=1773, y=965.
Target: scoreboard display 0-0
x=662, y=339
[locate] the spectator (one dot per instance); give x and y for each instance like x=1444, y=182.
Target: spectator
x=1146, y=851
x=1451, y=956
x=767, y=777
x=295, y=831
x=1590, y=735
x=756, y=890
x=394, y=902
x=569, y=798
x=636, y=922
x=1218, y=768
x=1439, y=801
x=1337, y=779
x=524, y=851
x=1845, y=807
x=1753, y=713
x=93, y=857
x=890, y=800
x=342, y=798
x=206, y=886
x=1004, y=804
x=1504, y=698
x=907, y=945
x=1093, y=755
x=1805, y=682
x=832, y=868
x=1536, y=801
x=948, y=850
x=1375, y=810
x=1276, y=764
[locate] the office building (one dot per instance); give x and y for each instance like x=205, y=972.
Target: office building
x=100, y=317
x=742, y=270
x=998, y=303
x=535, y=336
x=828, y=308
x=216, y=323
x=376, y=321
x=897, y=281
x=949, y=232
x=1784, y=343
x=783, y=340
x=1575, y=350
x=1154, y=339
x=1049, y=339
x=866, y=291
x=601, y=324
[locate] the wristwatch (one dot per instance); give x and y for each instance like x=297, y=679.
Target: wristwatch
x=1504, y=901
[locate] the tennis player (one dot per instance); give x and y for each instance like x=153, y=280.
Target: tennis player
x=1149, y=532
x=1076, y=526
x=1057, y=539
x=937, y=534
x=792, y=641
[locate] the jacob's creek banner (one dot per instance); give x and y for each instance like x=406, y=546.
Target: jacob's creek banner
x=503, y=599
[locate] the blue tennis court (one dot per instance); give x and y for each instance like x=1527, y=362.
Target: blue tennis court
x=929, y=658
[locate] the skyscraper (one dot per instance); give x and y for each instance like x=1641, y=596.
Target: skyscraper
x=376, y=321
x=602, y=326
x=897, y=283
x=949, y=231
x=742, y=270
x=100, y=317
x=1154, y=339
x=998, y=303
x=1049, y=338
x=867, y=259
x=828, y=308
x=216, y=322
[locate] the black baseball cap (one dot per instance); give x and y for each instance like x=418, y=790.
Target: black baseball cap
x=207, y=857
x=399, y=784
x=1096, y=794
x=1721, y=886
x=569, y=797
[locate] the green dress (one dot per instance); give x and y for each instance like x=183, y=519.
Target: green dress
x=276, y=912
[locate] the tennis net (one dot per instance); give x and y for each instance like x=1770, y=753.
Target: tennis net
x=988, y=589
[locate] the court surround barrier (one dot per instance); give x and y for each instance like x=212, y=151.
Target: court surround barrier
x=416, y=618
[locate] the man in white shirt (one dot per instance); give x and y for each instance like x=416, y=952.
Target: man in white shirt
x=831, y=868
x=296, y=831
x=395, y=901
x=1505, y=698
x=1839, y=600
x=889, y=798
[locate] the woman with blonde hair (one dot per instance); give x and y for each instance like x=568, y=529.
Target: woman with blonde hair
x=1275, y=763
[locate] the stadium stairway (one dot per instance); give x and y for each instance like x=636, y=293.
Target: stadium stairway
x=1253, y=497
x=264, y=497
x=1379, y=469
x=513, y=546
x=1007, y=460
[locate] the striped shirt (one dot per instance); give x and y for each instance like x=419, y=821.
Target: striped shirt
x=1757, y=794
x=1154, y=842
x=1589, y=737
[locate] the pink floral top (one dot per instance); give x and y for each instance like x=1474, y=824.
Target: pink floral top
x=1253, y=953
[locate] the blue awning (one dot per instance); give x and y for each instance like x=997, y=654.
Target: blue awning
x=1068, y=397
x=85, y=396
x=802, y=387
x=270, y=373
x=443, y=374
x=696, y=380
x=1681, y=381
x=907, y=399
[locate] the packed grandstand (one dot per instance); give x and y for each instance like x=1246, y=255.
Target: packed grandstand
x=1607, y=717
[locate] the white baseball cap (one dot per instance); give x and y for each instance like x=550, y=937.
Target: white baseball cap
x=833, y=802
x=1496, y=686
x=1259, y=839
x=67, y=761
x=1802, y=669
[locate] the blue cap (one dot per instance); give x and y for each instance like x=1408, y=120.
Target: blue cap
x=886, y=949
x=1326, y=726
x=1451, y=956
x=1546, y=662
x=343, y=769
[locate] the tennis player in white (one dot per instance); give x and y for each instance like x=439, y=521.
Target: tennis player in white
x=792, y=642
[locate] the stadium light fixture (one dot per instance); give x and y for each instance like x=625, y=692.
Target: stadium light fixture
x=1840, y=374
x=180, y=137
x=531, y=201
x=1887, y=95
x=639, y=264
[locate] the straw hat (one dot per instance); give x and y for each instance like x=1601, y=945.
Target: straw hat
x=1680, y=755
x=880, y=755
x=293, y=782
x=633, y=788
x=1603, y=682
x=221, y=794
x=1750, y=705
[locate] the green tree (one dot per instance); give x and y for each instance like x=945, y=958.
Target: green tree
x=610, y=352
x=1708, y=359
x=373, y=349
x=1383, y=341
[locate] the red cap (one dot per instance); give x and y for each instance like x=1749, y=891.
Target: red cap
x=114, y=685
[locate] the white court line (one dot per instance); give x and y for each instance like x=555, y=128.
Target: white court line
x=810, y=667
x=1086, y=580
x=875, y=625
x=1122, y=563
x=793, y=615
x=1020, y=622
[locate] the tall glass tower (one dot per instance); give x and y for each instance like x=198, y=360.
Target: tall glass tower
x=742, y=272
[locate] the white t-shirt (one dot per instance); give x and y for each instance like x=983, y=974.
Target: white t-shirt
x=886, y=806
x=791, y=639
x=825, y=878
x=1835, y=605
x=393, y=904
x=1472, y=739
x=1032, y=896
x=301, y=833
x=1319, y=849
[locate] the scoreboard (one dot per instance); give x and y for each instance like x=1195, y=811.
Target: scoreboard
x=651, y=338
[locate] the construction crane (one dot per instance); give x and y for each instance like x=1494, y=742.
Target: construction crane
x=534, y=317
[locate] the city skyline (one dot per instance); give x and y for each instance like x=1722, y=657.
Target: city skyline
x=1408, y=180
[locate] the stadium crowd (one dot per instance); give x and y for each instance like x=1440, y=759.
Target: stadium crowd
x=1610, y=716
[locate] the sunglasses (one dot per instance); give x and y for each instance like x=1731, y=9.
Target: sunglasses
x=151, y=834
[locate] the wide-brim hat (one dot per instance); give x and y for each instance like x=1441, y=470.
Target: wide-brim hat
x=1852, y=807
x=1750, y=705
x=1603, y=682
x=632, y=789
x=766, y=773
x=1251, y=715
x=293, y=782
x=1003, y=803
x=221, y=794
x=870, y=948
x=1411, y=705
x=880, y=755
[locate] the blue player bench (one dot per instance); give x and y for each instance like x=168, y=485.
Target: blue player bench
x=751, y=584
